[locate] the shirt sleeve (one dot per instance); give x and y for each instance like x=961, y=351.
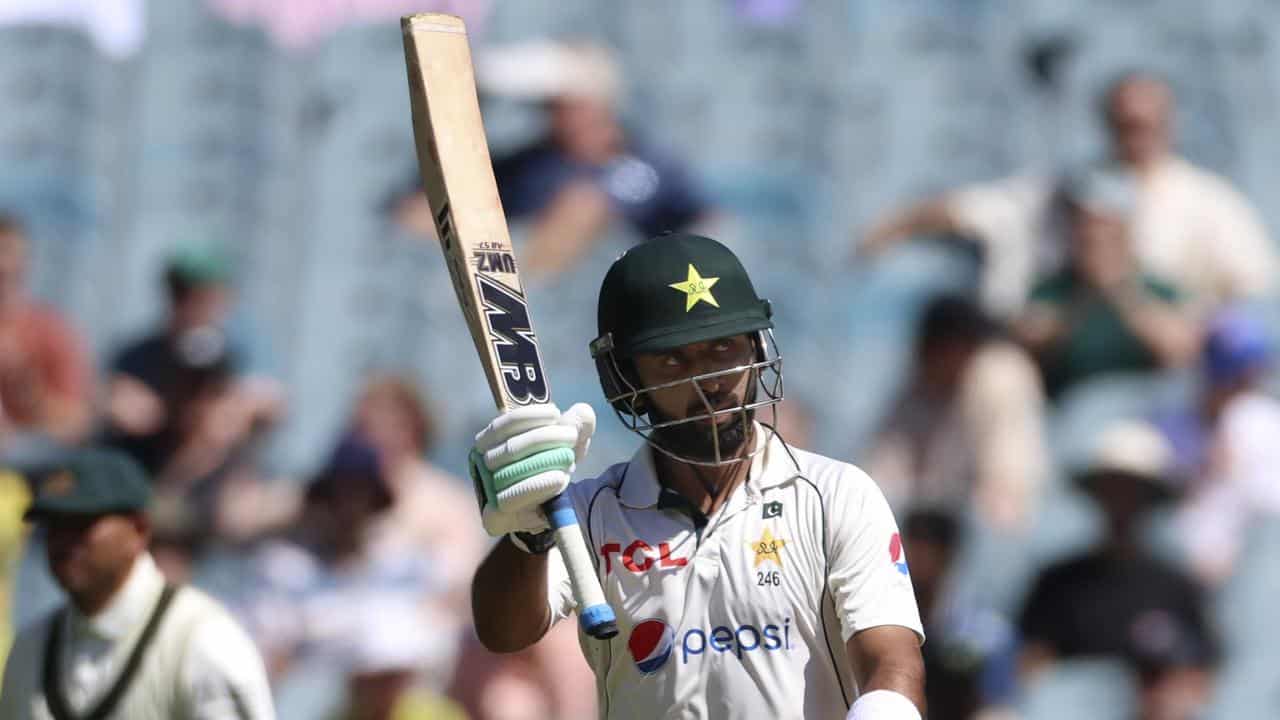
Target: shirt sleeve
x=868, y=575
x=1007, y=218
x=1239, y=246
x=223, y=676
x=1040, y=615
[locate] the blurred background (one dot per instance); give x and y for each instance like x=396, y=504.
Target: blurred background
x=1022, y=256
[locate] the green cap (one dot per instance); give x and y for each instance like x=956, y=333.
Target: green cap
x=675, y=290
x=90, y=482
x=200, y=264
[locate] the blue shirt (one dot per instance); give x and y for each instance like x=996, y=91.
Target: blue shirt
x=652, y=192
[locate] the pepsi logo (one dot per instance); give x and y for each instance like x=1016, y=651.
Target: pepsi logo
x=650, y=645
x=895, y=554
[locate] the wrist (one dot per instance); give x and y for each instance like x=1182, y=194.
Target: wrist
x=539, y=543
x=883, y=705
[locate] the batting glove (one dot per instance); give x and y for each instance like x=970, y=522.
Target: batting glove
x=524, y=458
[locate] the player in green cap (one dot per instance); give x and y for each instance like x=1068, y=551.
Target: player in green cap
x=127, y=643
x=749, y=578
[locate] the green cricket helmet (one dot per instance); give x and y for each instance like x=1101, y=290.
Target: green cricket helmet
x=671, y=291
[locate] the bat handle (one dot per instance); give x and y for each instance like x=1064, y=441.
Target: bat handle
x=594, y=614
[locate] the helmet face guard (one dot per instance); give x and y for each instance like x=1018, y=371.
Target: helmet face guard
x=634, y=408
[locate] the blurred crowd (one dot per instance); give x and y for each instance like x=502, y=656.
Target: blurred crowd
x=354, y=581
x=1138, y=264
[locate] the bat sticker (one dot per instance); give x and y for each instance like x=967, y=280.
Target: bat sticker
x=507, y=317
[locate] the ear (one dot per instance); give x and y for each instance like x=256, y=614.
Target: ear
x=142, y=526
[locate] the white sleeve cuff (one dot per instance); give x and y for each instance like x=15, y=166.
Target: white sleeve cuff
x=883, y=705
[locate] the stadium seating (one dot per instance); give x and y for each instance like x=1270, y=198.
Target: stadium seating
x=802, y=129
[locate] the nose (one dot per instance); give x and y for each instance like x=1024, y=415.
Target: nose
x=711, y=386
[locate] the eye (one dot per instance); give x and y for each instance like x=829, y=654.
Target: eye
x=669, y=361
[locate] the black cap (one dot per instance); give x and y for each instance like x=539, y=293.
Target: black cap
x=88, y=482
x=675, y=290
x=354, y=463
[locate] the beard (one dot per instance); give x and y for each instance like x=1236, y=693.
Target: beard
x=697, y=440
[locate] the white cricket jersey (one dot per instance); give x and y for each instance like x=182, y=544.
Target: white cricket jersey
x=199, y=665
x=747, y=616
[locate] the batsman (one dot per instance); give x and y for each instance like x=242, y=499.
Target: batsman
x=751, y=579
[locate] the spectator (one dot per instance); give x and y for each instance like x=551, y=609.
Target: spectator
x=1190, y=227
x=969, y=659
x=1102, y=313
x=1226, y=443
x=14, y=499
x=157, y=382
x=383, y=678
x=549, y=680
x=301, y=604
x=966, y=431
x=1098, y=603
x=432, y=510
x=586, y=171
x=45, y=371
x=432, y=513
x=211, y=488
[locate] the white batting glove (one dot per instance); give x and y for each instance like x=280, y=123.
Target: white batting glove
x=524, y=458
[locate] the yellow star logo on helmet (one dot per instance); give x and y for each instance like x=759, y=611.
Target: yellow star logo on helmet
x=696, y=289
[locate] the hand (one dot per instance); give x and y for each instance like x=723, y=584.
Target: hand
x=134, y=408
x=1040, y=326
x=874, y=241
x=524, y=458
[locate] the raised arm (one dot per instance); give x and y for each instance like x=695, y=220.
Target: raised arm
x=521, y=460
x=925, y=217
x=566, y=230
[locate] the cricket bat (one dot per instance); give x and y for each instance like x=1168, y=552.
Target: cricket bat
x=457, y=177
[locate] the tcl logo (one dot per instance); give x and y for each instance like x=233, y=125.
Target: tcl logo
x=640, y=556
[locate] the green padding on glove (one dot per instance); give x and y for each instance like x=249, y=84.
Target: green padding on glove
x=536, y=464
x=483, y=479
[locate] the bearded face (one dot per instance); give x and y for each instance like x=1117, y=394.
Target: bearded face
x=700, y=439
x=698, y=401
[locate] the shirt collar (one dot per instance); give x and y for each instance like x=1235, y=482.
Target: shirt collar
x=772, y=466
x=131, y=606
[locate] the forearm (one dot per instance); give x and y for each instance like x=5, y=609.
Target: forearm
x=922, y=218
x=567, y=229
x=887, y=659
x=906, y=679
x=509, y=599
x=67, y=418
